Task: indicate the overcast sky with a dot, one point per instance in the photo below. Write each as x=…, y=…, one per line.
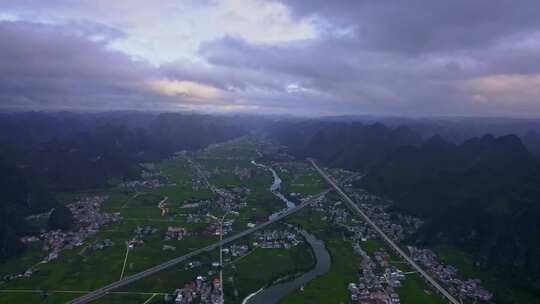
x=312, y=57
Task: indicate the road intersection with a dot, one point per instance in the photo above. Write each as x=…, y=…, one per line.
x=98, y=293
x=218, y=245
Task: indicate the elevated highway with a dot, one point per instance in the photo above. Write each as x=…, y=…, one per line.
x=98, y=293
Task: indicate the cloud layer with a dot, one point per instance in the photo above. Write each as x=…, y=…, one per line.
x=296, y=57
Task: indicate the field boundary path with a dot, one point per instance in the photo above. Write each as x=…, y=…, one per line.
x=98, y=293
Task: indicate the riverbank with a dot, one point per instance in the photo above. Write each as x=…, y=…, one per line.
x=276, y=292
x=275, y=190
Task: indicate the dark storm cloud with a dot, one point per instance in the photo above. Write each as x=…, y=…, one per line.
x=66, y=66
x=417, y=57
x=347, y=78
x=330, y=60
x=417, y=26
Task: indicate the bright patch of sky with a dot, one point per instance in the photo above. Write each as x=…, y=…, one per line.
x=165, y=31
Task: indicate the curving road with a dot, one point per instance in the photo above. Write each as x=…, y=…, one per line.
x=391, y=243
x=98, y=293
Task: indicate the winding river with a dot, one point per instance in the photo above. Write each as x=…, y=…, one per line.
x=275, y=189
x=276, y=292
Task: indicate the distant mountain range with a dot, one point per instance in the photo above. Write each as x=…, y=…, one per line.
x=347, y=145
x=482, y=195
x=74, y=152
x=40, y=153
x=20, y=196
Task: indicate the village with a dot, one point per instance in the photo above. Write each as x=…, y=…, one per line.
x=380, y=279
x=88, y=219
x=151, y=177
x=380, y=274
x=448, y=275
x=207, y=288
x=276, y=239
x=377, y=282
x=397, y=227
x=201, y=290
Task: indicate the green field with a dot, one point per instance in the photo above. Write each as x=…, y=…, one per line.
x=307, y=181
x=263, y=266
x=77, y=270
x=332, y=286
x=144, y=200
x=80, y=271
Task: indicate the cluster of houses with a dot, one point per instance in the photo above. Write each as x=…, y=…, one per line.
x=331, y=211
x=202, y=290
x=236, y=250
x=198, y=184
x=276, y=239
x=217, y=227
x=197, y=210
x=375, y=284
x=172, y=233
x=359, y=233
x=151, y=177
x=147, y=183
x=200, y=180
x=338, y=213
x=448, y=275
x=101, y=245
x=88, y=220
x=231, y=252
x=382, y=257
x=360, y=195
x=87, y=215
x=343, y=176
x=175, y=233
x=383, y=220
x=140, y=233
x=397, y=227
x=232, y=197
x=57, y=240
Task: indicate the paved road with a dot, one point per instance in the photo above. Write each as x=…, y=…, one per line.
x=98, y=293
x=391, y=243
x=201, y=174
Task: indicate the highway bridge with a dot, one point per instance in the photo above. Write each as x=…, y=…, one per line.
x=391, y=243
x=98, y=293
